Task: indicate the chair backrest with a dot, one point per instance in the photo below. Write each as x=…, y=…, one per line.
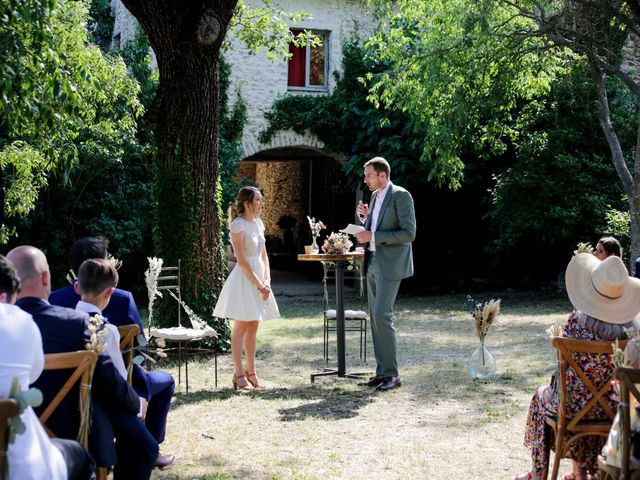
x=628, y=378
x=169, y=279
x=8, y=408
x=128, y=334
x=80, y=363
x=566, y=349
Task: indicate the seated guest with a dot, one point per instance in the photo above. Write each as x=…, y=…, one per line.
x=97, y=279
x=607, y=300
x=156, y=386
x=612, y=451
x=115, y=406
x=32, y=454
x=606, y=247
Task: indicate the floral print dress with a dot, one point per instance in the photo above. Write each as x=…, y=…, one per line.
x=598, y=367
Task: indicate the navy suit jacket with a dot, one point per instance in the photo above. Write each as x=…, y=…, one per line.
x=65, y=330
x=120, y=311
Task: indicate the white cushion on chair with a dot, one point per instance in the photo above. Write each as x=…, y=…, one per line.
x=348, y=314
x=182, y=333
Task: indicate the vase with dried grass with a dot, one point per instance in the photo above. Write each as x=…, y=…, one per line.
x=482, y=364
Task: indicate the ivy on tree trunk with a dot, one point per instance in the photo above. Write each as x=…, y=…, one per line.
x=186, y=38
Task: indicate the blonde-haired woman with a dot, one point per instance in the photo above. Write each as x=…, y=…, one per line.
x=246, y=296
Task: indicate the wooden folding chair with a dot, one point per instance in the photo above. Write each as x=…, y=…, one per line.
x=628, y=379
x=80, y=362
x=8, y=408
x=128, y=334
x=568, y=430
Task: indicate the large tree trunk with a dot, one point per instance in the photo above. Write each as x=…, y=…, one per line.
x=630, y=183
x=186, y=37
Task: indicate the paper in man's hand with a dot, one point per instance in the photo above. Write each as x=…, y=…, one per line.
x=352, y=229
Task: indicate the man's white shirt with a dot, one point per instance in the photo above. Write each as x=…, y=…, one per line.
x=375, y=214
x=112, y=339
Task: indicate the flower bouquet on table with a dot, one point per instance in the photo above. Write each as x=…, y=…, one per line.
x=337, y=244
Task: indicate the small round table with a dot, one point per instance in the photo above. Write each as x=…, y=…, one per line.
x=340, y=261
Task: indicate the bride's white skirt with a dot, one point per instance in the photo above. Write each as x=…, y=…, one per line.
x=241, y=300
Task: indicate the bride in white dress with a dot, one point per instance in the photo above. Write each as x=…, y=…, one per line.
x=246, y=296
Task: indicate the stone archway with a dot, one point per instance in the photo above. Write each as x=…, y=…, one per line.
x=298, y=181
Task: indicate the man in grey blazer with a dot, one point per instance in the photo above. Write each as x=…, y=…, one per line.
x=390, y=227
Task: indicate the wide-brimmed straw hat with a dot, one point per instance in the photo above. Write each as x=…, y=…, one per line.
x=603, y=289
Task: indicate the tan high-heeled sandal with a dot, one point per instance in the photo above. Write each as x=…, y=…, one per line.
x=256, y=383
x=242, y=385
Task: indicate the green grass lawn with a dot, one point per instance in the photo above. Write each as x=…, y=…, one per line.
x=440, y=425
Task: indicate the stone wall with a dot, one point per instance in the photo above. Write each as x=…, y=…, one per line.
x=260, y=81
x=284, y=188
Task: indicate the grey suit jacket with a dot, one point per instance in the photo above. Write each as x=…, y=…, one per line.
x=394, y=233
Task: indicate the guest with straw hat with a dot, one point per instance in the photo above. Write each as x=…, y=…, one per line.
x=606, y=302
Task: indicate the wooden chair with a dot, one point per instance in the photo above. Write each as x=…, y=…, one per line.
x=355, y=320
x=80, y=363
x=8, y=408
x=628, y=378
x=567, y=430
x=169, y=280
x=128, y=334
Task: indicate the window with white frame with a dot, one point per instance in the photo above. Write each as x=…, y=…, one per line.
x=308, y=65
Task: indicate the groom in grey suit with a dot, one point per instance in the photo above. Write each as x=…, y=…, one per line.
x=390, y=227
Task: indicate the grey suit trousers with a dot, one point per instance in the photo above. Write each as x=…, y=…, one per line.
x=382, y=296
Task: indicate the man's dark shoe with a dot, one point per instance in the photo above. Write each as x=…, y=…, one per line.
x=373, y=381
x=389, y=383
x=164, y=461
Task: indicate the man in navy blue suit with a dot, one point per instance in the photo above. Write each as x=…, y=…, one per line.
x=155, y=386
x=116, y=407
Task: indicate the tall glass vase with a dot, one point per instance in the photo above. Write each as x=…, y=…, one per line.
x=314, y=246
x=482, y=364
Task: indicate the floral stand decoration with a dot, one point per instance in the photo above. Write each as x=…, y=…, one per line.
x=316, y=227
x=337, y=244
x=482, y=364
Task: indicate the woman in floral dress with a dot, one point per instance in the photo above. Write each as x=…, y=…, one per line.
x=607, y=301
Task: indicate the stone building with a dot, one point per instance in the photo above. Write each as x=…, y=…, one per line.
x=297, y=175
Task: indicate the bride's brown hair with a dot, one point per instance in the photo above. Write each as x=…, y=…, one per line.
x=238, y=207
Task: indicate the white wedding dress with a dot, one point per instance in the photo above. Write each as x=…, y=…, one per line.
x=239, y=298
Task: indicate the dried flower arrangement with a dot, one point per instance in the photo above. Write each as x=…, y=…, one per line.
x=96, y=344
x=583, y=248
x=483, y=315
x=151, y=281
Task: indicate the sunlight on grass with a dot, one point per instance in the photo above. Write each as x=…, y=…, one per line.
x=440, y=425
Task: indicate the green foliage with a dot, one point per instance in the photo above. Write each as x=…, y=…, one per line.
x=463, y=72
x=101, y=21
x=618, y=224
x=266, y=27
x=562, y=185
x=62, y=99
x=348, y=123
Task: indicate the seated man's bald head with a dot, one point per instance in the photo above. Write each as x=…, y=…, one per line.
x=33, y=270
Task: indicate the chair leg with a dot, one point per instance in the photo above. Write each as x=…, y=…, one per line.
x=186, y=370
x=365, y=341
x=548, y=432
x=557, y=457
